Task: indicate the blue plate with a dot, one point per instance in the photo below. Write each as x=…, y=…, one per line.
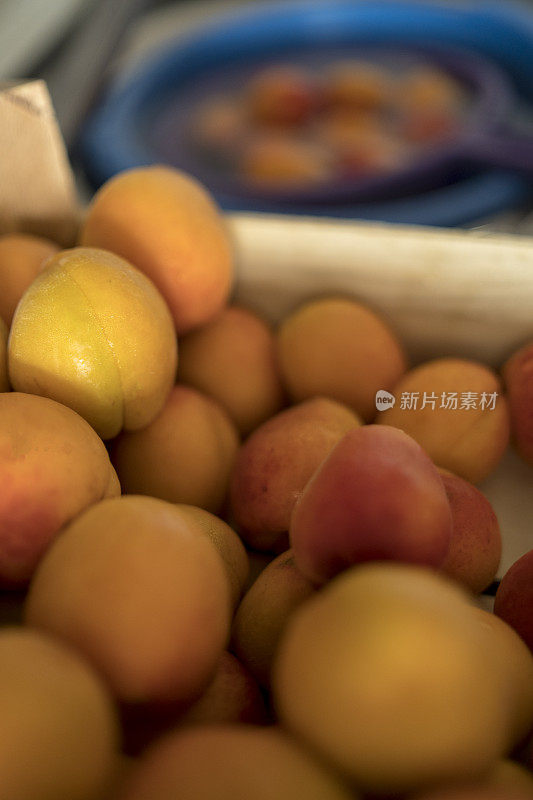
x=117, y=135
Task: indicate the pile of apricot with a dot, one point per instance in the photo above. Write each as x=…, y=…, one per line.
x=239, y=579
x=292, y=126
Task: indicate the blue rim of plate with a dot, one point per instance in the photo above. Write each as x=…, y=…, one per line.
x=112, y=139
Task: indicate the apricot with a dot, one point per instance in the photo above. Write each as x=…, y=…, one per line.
x=184, y=456
x=429, y=89
x=22, y=257
x=58, y=727
x=377, y=496
x=168, y=226
x=455, y=410
x=356, y=86
x=264, y=612
x=283, y=96
x=228, y=544
x=233, y=360
x=514, y=598
x=340, y=349
x=275, y=463
x=140, y=594
x=258, y=563
x=93, y=333
x=219, y=126
x=272, y=160
x=52, y=466
x=232, y=761
x=385, y=673
x=4, y=380
x=518, y=378
x=516, y=663
x=232, y=696
x=475, y=547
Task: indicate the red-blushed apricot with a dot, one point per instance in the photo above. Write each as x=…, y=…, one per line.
x=275, y=463
x=385, y=673
x=143, y=596
x=58, y=727
x=240, y=762
x=4, y=379
x=514, y=598
x=516, y=663
x=93, y=333
x=52, y=466
x=376, y=497
x=232, y=696
x=282, y=96
x=356, y=86
x=22, y=257
x=518, y=378
x=273, y=160
x=338, y=348
x=184, y=456
x=455, y=410
x=170, y=228
x=233, y=360
x=264, y=612
x=475, y=547
x=228, y=544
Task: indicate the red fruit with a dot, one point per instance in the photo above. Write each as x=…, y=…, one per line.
x=377, y=496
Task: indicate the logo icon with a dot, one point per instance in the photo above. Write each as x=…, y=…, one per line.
x=384, y=400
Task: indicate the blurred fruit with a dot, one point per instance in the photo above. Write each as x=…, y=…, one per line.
x=274, y=161
x=514, y=598
x=58, y=727
x=184, y=456
x=93, y=333
x=282, y=96
x=518, y=377
x=22, y=258
x=232, y=696
x=4, y=379
x=232, y=762
x=377, y=496
x=455, y=410
x=429, y=89
x=228, y=544
x=264, y=612
x=357, y=86
x=233, y=359
x=219, y=126
x=52, y=467
x=340, y=349
x=387, y=675
x=141, y=594
x=476, y=544
x=275, y=463
x=516, y=663
x=167, y=225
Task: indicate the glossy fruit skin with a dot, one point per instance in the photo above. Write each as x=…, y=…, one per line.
x=93, y=333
